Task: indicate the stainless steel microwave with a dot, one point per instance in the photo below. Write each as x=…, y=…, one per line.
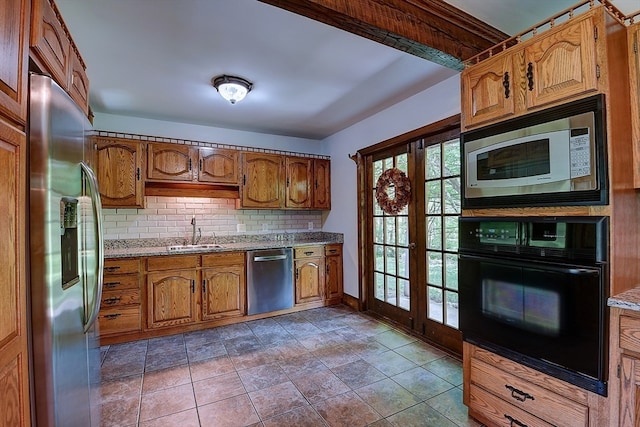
x=550, y=158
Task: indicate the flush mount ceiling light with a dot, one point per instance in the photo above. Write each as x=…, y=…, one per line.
x=231, y=88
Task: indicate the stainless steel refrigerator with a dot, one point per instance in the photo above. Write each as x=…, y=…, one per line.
x=66, y=260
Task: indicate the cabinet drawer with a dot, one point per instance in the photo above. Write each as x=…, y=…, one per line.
x=119, y=320
x=309, y=252
x=330, y=250
x=529, y=397
x=501, y=412
x=120, y=282
x=119, y=298
x=630, y=333
x=121, y=266
x=159, y=263
x=223, y=258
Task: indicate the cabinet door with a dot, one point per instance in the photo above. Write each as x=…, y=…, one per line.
x=262, y=181
x=309, y=280
x=321, y=184
x=13, y=57
x=171, y=298
x=223, y=292
x=634, y=78
x=169, y=162
x=488, y=90
x=49, y=40
x=562, y=64
x=218, y=165
x=334, y=276
x=299, y=182
x=629, y=411
x=78, y=81
x=119, y=168
x=14, y=356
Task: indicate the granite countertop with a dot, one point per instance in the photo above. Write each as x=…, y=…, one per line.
x=159, y=247
x=629, y=300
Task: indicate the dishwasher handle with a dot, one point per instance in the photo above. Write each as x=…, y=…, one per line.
x=269, y=258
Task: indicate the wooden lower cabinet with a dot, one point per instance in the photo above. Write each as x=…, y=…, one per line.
x=171, y=291
x=120, y=308
x=625, y=343
x=501, y=392
x=223, y=286
x=333, y=273
x=309, y=274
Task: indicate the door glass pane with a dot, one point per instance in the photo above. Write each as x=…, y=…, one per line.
x=451, y=306
x=432, y=162
x=378, y=253
x=377, y=170
x=434, y=308
x=451, y=158
x=434, y=232
x=452, y=195
x=403, y=262
x=378, y=230
x=434, y=268
x=433, y=197
x=403, y=230
x=391, y=290
x=401, y=162
x=390, y=232
x=391, y=260
x=403, y=288
x=451, y=271
x=451, y=233
x=379, y=283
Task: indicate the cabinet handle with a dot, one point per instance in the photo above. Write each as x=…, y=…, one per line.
x=200, y=164
x=204, y=285
x=530, y=75
x=138, y=174
x=112, y=316
x=287, y=182
x=514, y=422
x=193, y=286
x=244, y=179
x=112, y=269
x=333, y=251
x=111, y=301
x=111, y=284
x=505, y=84
x=316, y=184
x=327, y=268
x=307, y=253
x=297, y=273
x=518, y=394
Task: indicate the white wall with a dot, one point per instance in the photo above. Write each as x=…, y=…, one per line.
x=431, y=105
x=137, y=125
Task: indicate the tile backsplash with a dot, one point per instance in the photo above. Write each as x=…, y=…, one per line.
x=171, y=217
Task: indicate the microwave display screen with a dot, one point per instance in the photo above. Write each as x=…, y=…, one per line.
x=522, y=160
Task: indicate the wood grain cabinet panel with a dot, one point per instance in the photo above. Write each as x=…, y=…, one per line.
x=217, y=165
x=633, y=49
x=321, y=184
x=78, y=81
x=121, y=306
x=300, y=181
x=562, y=64
x=171, y=298
x=263, y=184
x=14, y=370
x=14, y=27
x=309, y=274
x=169, y=162
x=119, y=168
x=333, y=275
x=223, y=292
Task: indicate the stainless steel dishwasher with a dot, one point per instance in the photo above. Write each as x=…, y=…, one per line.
x=269, y=280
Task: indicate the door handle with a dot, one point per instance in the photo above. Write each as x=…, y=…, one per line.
x=412, y=246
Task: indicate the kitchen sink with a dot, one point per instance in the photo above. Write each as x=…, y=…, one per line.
x=188, y=248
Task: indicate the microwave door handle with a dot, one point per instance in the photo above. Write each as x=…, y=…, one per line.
x=96, y=205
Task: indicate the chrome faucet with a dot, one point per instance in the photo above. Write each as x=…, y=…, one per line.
x=194, y=240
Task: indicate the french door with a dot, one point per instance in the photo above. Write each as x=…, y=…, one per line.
x=410, y=257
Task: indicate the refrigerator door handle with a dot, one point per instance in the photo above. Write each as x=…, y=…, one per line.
x=97, y=212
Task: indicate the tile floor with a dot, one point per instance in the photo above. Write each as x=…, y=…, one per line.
x=329, y=366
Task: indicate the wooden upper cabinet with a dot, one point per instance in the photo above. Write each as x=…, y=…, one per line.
x=119, y=167
x=322, y=184
x=263, y=184
x=562, y=64
x=169, y=162
x=218, y=165
x=488, y=90
x=14, y=22
x=56, y=53
x=299, y=182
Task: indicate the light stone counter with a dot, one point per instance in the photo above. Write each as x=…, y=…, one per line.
x=629, y=300
x=158, y=247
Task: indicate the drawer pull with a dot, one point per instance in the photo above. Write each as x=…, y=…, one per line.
x=519, y=394
x=112, y=300
x=514, y=422
x=333, y=251
x=111, y=284
x=307, y=253
x=112, y=316
x=112, y=269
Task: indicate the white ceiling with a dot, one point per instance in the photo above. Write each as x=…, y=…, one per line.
x=155, y=59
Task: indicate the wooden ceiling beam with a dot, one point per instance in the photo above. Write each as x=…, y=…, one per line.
x=430, y=29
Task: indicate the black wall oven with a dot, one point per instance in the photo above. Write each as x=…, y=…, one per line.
x=534, y=290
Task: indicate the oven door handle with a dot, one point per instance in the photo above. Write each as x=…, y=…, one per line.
x=533, y=264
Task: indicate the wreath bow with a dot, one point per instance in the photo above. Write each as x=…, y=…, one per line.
x=402, y=187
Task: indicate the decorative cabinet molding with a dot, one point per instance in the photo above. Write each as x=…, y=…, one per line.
x=120, y=172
